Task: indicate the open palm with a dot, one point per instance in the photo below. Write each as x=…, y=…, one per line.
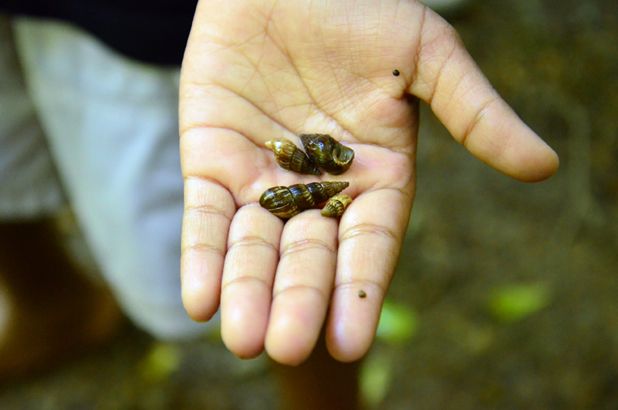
x=261, y=69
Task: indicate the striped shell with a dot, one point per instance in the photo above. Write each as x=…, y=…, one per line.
x=327, y=153
x=335, y=206
x=285, y=202
x=290, y=157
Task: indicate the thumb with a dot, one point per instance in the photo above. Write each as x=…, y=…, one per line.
x=448, y=79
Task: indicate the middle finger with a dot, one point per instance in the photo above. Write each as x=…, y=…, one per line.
x=302, y=288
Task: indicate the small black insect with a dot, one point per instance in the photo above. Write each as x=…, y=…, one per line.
x=396, y=73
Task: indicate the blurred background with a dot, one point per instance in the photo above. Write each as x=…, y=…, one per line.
x=506, y=294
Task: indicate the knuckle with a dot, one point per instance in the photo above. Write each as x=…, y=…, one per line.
x=251, y=240
x=203, y=248
x=369, y=229
x=304, y=245
x=300, y=287
x=205, y=210
x=354, y=284
x=244, y=280
x=478, y=117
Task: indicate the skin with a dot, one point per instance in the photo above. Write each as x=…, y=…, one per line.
x=261, y=69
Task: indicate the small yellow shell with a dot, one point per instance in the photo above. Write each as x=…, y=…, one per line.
x=336, y=205
x=290, y=157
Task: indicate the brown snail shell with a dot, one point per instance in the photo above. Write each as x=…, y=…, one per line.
x=289, y=156
x=285, y=202
x=336, y=205
x=327, y=153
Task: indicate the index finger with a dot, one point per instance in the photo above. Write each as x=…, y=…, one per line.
x=447, y=78
x=370, y=236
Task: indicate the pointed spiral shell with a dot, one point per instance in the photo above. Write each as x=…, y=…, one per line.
x=327, y=153
x=285, y=202
x=290, y=157
x=336, y=205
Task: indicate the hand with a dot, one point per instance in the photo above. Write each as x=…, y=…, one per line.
x=260, y=69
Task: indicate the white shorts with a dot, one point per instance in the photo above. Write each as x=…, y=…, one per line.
x=74, y=114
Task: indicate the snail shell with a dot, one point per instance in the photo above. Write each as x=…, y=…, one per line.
x=285, y=202
x=327, y=153
x=289, y=156
x=336, y=205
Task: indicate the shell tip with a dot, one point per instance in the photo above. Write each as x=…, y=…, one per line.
x=269, y=144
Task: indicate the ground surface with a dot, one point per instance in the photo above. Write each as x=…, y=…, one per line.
x=475, y=237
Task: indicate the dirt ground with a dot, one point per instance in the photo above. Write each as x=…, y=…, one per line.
x=474, y=237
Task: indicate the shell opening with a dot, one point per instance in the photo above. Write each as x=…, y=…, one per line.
x=342, y=155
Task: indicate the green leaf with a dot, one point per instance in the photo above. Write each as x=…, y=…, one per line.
x=514, y=302
x=375, y=379
x=398, y=323
x=161, y=361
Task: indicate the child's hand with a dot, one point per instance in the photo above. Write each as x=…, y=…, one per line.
x=260, y=69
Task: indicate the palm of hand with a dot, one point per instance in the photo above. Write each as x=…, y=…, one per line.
x=257, y=72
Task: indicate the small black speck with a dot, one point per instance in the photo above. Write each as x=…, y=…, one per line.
x=396, y=73
x=362, y=294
